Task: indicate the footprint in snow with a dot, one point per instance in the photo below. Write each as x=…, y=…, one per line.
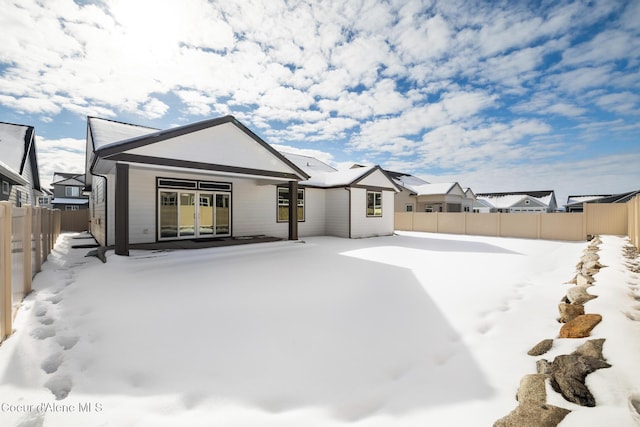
x=52, y=363
x=43, y=332
x=67, y=342
x=60, y=386
x=55, y=299
x=45, y=320
x=41, y=311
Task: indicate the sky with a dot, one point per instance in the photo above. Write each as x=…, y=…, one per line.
x=499, y=96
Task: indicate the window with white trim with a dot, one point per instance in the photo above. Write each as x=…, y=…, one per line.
x=408, y=208
x=283, y=204
x=6, y=187
x=374, y=203
x=71, y=191
x=72, y=208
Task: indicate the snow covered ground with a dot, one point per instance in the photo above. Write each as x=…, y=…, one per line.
x=405, y=330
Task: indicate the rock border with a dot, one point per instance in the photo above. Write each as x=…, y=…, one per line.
x=566, y=373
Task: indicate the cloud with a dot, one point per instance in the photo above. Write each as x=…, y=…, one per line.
x=59, y=155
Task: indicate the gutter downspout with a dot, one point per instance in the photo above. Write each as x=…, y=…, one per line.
x=349, y=219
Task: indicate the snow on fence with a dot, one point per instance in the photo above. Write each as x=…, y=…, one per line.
x=27, y=235
x=605, y=218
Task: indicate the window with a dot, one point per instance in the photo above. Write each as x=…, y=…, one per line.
x=42, y=201
x=374, y=203
x=283, y=204
x=408, y=208
x=72, y=208
x=71, y=191
x=18, y=199
x=6, y=187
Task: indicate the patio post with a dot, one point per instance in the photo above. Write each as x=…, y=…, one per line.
x=122, y=209
x=293, y=210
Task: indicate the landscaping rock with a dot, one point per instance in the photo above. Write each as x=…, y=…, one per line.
x=567, y=373
x=592, y=348
x=541, y=348
x=532, y=389
x=580, y=327
x=579, y=295
x=532, y=410
x=569, y=312
x=584, y=279
x=533, y=415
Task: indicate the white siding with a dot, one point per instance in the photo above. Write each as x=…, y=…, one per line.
x=142, y=206
x=376, y=179
x=111, y=209
x=337, y=212
x=253, y=205
x=364, y=226
x=224, y=144
x=314, y=213
x=97, y=204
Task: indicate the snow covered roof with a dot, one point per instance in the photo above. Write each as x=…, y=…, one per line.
x=17, y=146
x=506, y=200
x=585, y=198
x=509, y=200
x=107, y=132
x=12, y=144
x=337, y=178
x=433, y=189
x=69, y=201
x=309, y=164
x=11, y=174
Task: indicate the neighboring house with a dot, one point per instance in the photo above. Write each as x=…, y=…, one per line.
x=216, y=178
x=45, y=199
x=67, y=191
x=516, y=202
x=576, y=203
x=20, y=180
x=418, y=195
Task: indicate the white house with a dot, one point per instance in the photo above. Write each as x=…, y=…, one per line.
x=516, y=202
x=19, y=175
x=216, y=178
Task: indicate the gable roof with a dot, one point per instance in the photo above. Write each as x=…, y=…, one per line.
x=347, y=177
x=18, y=145
x=120, y=141
x=536, y=194
x=63, y=178
x=509, y=200
x=616, y=198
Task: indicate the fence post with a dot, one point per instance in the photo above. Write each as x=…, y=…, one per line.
x=5, y=279
x=26, y=247
x=37, y=234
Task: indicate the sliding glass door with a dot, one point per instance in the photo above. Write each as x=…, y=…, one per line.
x=193, y=214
